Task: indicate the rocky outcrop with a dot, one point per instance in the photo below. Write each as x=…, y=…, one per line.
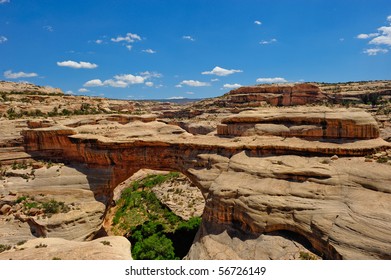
x=312, y=122
x=277, y=95
x=105, y=248
x=11, y=87
x=257, y=185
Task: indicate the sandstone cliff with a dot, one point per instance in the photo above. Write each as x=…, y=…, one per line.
x=256, y=184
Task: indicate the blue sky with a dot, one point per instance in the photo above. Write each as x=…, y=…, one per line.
x=150, y=49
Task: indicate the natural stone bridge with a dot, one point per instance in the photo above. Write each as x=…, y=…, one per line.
x=255, y=184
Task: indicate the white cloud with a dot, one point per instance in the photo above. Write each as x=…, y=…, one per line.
x=149, y=84
x=148, y=75
x=129, y=47
x=187, y=37
x=149, y=51
x=119, y=81
x=48, y=28
x=77, y=65
x=9, y=75
x=115, y=83
x=232, y=85
x=384, y=38
x=83, y=90
x=93, y=83
x=214, y=80
x=4, y=1
x=257, y=22
x=129, y=38
x=375, y=51
x=271, y=80
x=189, y=92
x=130, y=79
x=366, y=36
x=193, y=83
x=3, y=39
x=221, y=71
x=69, y=92
x=178, y=86
x=264, y=42
x=99, y=41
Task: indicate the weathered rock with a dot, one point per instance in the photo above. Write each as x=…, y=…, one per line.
x=327, y=203
x=278, y=95
x=304, y=122
x=106, y=248
x=5, y=209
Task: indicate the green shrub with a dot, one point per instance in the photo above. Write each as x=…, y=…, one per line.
x=4, y=247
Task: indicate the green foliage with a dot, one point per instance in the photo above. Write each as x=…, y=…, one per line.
x=306, y=256
x=53, y=207
x=152, y=228
x=106, y=243
x=154, y=247
x=4, y=247
x=19, y=165
x=41, y=245
x=21, y=198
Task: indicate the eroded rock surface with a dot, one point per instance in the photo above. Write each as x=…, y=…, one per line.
x=105, y=248
x=255, y=184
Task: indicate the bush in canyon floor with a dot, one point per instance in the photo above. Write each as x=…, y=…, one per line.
x=154, y=231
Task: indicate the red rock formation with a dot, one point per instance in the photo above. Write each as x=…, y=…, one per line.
x=278, y=95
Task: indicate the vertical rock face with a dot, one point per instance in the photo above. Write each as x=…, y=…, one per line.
x=256, y=185
x=278, y=95
x=317, y=122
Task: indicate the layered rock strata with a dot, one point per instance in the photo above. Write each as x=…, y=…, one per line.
x=312, y=122
x=258, y=184
x=278, y=95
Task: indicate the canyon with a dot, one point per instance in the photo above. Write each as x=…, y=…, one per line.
x=284, y=170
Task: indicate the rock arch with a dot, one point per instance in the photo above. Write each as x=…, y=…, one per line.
x=256, y=185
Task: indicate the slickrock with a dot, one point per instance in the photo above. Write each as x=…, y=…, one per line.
x=105, y=248
x=257, y=184
x=278, y=95
x=308, y=122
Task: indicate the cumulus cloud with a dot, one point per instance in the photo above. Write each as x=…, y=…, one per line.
x=149, y=84
x=149, y=51
x=83, y=90
x=94, y=83
x=10, y=75
x=366, y=36
x=3, y=39
x=129, y=38
x=375, y=51
x=265, y=42
x=119, y=81
x=99, y=41
x=148, y=74
x=193, y=83
x=232, y=85
x=271, y=80
x=221, y=71
x=77, y=65
x=382, y=39
x=187, y=37
x=129, y=47
x=257, y=22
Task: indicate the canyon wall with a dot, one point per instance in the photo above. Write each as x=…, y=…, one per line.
x=324, y=191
